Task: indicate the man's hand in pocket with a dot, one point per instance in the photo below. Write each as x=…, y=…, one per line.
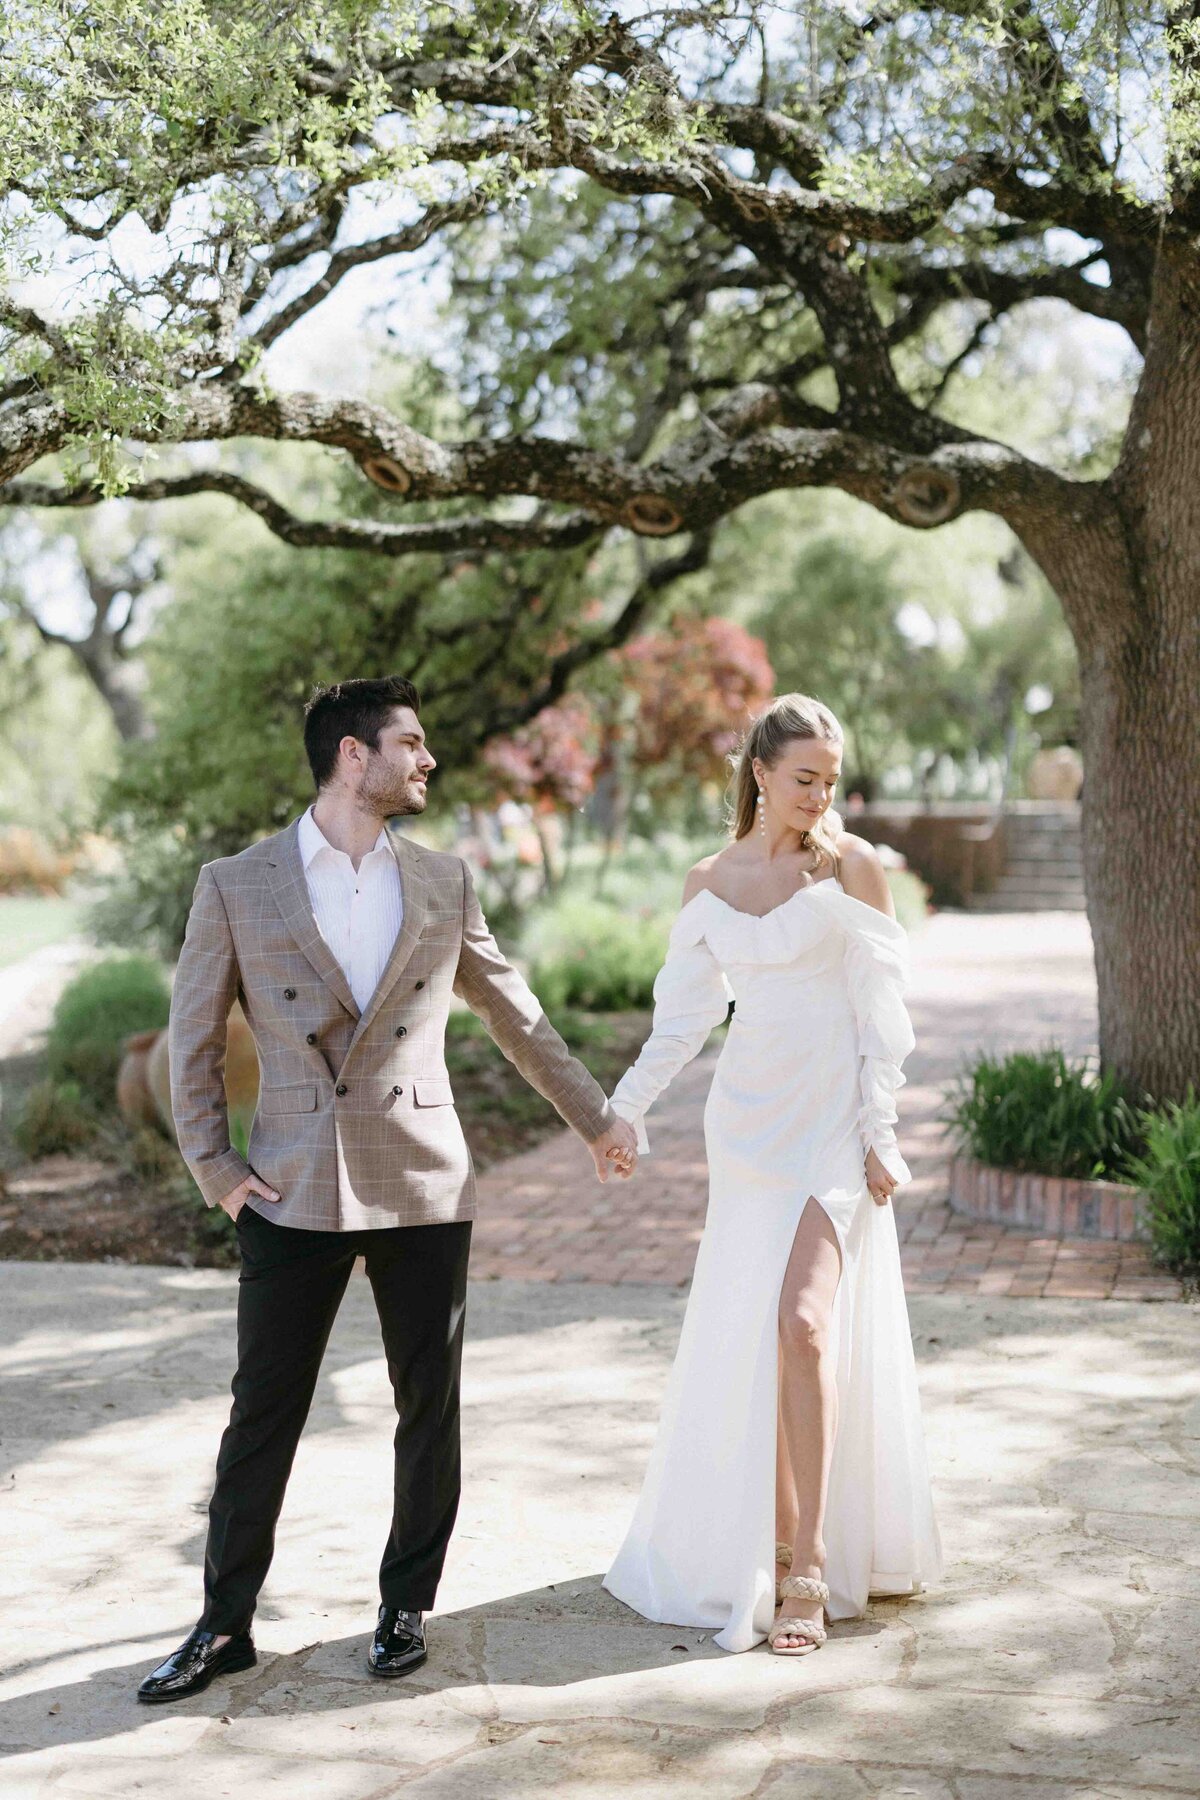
x=233, y=1203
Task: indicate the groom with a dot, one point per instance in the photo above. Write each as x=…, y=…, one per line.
x=344, y=942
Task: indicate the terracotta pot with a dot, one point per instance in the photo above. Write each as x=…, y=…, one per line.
x=135, y=1096
x=241, y=1072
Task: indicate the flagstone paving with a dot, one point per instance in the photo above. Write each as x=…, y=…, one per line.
x=1000, y=981
x=1056, y=1661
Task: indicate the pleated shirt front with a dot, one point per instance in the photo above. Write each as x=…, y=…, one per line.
x=358, y=912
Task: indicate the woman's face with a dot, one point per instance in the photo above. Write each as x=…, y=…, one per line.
x=803, y=782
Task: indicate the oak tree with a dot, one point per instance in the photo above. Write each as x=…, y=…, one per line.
x=833, y=206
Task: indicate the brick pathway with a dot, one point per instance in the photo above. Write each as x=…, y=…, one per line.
x=1001, y=980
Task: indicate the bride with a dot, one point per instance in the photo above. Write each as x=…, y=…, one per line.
x=788, y=1480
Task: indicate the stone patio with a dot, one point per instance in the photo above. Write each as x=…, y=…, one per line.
x=1058, y=1659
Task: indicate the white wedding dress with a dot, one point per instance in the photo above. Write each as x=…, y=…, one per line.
x=805, y=1081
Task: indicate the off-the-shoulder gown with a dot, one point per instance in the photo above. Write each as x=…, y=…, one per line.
x=805, y=1082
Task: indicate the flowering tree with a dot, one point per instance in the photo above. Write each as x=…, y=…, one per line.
x=548, y=765
x=698, y=683
x=671, y=707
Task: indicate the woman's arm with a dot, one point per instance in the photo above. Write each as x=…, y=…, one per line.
x=690, y=998
x=876, y=969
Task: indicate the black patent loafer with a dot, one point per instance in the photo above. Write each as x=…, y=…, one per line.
x=398, y=1646
x=190, y=1668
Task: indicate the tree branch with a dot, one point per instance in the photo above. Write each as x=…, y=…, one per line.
x=932, y=473
x=653, y=584
x=355, y=256
x=439, y=536
x=1001, y=289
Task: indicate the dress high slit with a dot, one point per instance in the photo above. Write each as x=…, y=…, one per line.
x=805, y=1082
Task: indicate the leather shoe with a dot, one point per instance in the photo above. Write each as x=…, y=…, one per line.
x=398, y=1646
x=195, y=1663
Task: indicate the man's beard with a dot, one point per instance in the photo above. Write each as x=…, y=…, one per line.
x=393, y=799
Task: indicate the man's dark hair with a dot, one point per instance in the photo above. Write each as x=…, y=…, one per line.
x=358, y=709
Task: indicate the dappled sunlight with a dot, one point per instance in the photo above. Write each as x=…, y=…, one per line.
x=1060, y=1437
x=87, y=1354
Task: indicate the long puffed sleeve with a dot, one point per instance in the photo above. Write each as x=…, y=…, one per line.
x=691, y=997
x=877, y=974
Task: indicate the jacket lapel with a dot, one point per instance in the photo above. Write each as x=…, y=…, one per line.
x=291, y=896
x=414, y=893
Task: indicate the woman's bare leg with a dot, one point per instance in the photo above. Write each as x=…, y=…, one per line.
x=786, y=1511
x=808, y=1392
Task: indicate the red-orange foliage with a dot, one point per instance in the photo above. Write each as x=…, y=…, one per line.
x=699, y=683
x=549, y=763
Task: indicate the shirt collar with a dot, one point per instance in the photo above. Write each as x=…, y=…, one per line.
x=312, y=840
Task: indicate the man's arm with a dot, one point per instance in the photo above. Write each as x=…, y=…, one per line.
x=206, y=985
x=499, y=995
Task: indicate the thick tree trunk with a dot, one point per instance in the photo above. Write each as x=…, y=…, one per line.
x=1135, y=624
x=1141, y=836
x=1129, y=580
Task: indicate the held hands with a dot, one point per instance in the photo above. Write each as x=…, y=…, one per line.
x=615, y=1151
x=233, y=1203
x=880, y=1184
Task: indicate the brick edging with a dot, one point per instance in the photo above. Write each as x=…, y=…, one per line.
x=1049, y=1203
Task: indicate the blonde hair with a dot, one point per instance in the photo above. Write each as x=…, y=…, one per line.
x=788, y=718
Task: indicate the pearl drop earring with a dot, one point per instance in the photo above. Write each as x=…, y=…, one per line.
x=762, y=811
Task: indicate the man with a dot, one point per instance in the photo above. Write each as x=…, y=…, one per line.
x=344, y=942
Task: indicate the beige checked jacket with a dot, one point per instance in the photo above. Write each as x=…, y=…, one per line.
x=356, y=1125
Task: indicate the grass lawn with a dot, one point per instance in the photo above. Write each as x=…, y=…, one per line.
x=29, y=921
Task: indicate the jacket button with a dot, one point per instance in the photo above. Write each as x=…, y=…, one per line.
x=402, y=1031
x=341, y=1088
x=289, y=993
x=420, y=984
x=397, y=1090
x=311, y=1038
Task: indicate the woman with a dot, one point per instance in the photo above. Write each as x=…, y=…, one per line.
x=788, y=1477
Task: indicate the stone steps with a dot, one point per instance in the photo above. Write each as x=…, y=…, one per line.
x=1032, y=899
x=1043, y=871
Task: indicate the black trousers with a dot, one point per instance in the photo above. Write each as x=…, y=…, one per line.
x=289, y=1291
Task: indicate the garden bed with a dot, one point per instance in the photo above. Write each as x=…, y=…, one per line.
x=127, y=1197
x=1050, y=1204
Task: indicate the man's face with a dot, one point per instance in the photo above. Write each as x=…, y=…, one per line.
x=394, y=775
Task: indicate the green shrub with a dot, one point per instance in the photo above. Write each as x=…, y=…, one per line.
x=54, y=1117
x=462, y=1023
x=213, y=1229
x=145, y=903
x=1168, y=1169
x=240, y=1121
x=583, y=953
x=96, y=1013
x=147, y=1154
x=1035, y=1111
x=910, y=896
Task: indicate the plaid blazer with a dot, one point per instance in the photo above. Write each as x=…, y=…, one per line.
x=356, y=1125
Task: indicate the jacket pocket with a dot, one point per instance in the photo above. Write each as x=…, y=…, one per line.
x=433, y=1090
x=298, y=1098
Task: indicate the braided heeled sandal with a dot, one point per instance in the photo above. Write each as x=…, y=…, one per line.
x=783, y=1556
x=799, y=1587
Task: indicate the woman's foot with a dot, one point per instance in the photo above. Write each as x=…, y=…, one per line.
x=783, y=1566
x=804, y=1601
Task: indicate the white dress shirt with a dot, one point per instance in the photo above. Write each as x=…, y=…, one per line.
x=358, y=912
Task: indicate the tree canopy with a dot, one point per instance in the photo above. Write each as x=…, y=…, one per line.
x=697, y=255
x=803, y=194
